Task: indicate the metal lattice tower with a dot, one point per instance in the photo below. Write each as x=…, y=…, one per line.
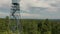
x=15, y=23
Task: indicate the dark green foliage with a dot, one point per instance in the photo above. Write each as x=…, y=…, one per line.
x=3, y=25
x=33, y=26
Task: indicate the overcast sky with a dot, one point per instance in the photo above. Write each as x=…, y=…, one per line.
x=33, y=9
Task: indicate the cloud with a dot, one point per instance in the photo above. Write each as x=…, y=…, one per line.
x=47, y=8
x=5, y=6
x=36, y=3
x=27, y=4
x=5, y=3
x=3, y=15
x=31, y=16
x=38, y=16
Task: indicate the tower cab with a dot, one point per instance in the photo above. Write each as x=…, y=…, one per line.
x=15, y=2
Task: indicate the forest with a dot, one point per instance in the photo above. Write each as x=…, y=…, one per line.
x=32, y=26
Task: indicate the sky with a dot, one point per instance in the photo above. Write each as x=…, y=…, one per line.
x=33, y=9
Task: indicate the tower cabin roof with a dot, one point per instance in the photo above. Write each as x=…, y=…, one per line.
x=15, y=1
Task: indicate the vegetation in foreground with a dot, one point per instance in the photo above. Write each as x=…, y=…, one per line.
x=32, y=26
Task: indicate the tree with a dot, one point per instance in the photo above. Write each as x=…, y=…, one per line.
x=45, y=26
x=3, y=24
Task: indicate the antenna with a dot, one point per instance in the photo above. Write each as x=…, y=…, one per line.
x=15, y=24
